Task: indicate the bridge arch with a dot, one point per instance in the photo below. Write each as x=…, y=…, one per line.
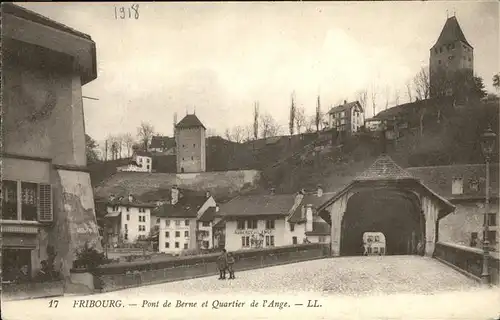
x=383, y=179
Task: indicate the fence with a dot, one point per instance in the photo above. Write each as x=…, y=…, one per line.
x=467, y=260
x=116, y=277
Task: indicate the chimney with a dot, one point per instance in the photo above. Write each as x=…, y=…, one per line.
x=272, y=191
x=309, y=218
x=111, y=197
x=130, y=198
x=319, y=191
x=174, y=195
x=207, y=194
x=217, y=208
x=345, y=101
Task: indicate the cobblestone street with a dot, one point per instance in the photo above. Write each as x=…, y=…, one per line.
x=343, y=275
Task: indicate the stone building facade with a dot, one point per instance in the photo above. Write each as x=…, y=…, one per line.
x=47, y=198
x=190, y=145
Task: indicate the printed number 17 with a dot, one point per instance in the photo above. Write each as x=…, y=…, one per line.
x=53, y=303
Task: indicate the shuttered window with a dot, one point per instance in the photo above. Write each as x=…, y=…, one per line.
x=45, y=212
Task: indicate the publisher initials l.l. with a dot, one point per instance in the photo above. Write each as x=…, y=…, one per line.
x=313, y=304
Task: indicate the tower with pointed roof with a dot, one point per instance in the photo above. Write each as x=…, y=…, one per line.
x=450, y=54
x=190, y=144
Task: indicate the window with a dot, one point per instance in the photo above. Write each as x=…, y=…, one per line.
x=177, y=222
x=492, y=219
x=125, y=236
x=492, y=237
x=205, y=224
x=186, y=222
x=270, y=224
x=148, y=160
x=128, y=209
x=182, y=158
x=245, y=241
x=147, y=167
x=186, y=234
x=206, y=244
x=177, y=234
x=194, y=145
x=36, y=201
x=292, y=227
x=128, y=217
x=240, y=224
x=294, y=240
x=142, y=228
x=167, y=223
x=142, y=210
x=192, y=158
x=440, y=49
x=183, y=146
x=269, y=241
x=167, y=234
x=157, y=220
x=167, y=244
x=375, y=250
x=473, y=185
x=177, y=244
x=470, y=59
x=439, y=61
x=436, y=50
x=457, y=186
x=185, y=245
x=252, y=224
x=126, y=226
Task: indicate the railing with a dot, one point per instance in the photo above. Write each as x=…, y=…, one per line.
x=468, y=260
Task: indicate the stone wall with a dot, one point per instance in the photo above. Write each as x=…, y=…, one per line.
x=220, y=183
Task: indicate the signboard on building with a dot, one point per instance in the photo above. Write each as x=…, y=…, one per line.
x=250, y=232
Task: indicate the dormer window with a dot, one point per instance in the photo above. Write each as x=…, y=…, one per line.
x=457, y=186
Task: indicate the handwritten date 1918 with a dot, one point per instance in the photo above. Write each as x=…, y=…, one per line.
x=125, y=12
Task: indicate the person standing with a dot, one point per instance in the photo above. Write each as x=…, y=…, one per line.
x=222, y=264
x=230, y=264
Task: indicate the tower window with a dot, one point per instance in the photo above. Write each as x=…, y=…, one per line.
x=440, y=49
x=194, y=145
x=439, y=61
x=436, y=50
x=192, y=158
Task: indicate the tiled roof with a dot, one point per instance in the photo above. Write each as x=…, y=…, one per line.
x=439, y=179
x=411, y=108
x=346, y=106
x=190, y=121
x=384, y=168
x=319, y=229
x=143, y=154
x=186, y=207
x=134, y=203
x=309, y=199
x=162, y=142
x=254, y=205
x=208, y=215
x=451, y=32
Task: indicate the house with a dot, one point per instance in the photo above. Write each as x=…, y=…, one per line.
x=464, y=186
x=163, y=144
x=127, y=220
x=142, y=161
x=450, y=54
x=190, y=145
x=179, y=221
x=255, y=221
x=47, y=199
x=347, y=118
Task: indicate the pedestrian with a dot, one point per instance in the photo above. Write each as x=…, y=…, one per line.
x=230, y=264
x=222, y=264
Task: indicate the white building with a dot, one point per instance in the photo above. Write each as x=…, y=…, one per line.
x=141, y=162
x=178, y=225
x=127, y=220
x=257, y=221
x=349, y=117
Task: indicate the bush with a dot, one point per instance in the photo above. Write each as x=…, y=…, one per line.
x=89, y=258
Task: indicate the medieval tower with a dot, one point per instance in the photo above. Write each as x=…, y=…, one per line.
x=190, y=145
x=451, y=54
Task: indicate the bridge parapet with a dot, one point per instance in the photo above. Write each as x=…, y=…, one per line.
x=467, y=260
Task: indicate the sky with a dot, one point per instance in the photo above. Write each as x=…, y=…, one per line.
x=216, y=59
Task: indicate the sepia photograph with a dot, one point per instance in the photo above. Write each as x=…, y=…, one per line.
x=250, y=160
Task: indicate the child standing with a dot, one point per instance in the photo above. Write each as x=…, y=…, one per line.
x=230, y=263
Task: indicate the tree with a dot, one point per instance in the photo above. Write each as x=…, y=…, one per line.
x=409, y=91
x=478, y=89
x=362, y=97
x=293, y=111
x=211, y=132
x=373, y=95
x=317, y=119
x=91, y=149
x=227, y=134
x=256, y=121
x=145, y=132
x=422, y=84
x=387, y=96
x=269, y=126
x=237, y=133
x=300, y=119
x=496, y=81
x=396, y=97
x=248, y=133
x=128, y=140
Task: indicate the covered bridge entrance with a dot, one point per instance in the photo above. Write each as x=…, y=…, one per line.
x=387, y=199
